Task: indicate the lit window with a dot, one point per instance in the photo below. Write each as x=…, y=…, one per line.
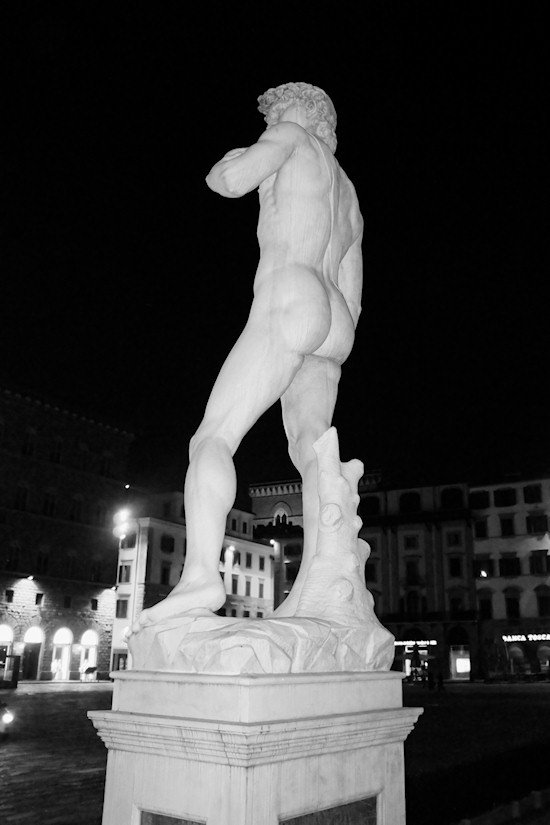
x=124, y=573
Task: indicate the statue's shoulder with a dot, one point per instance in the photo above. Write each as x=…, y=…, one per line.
x=287, y=132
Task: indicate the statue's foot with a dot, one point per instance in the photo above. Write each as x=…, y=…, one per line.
x=194, y=594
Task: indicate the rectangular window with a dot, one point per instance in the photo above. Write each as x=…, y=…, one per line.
x=261, y=590
x=455, y=567
x=453, y=539
x=9, y=596
x=532, y=494
x=245, y=527
x=124, y=573
x=121, y=611
x=167, y=543
x=93, y=604
x=39, y=598
x=536, y=523
x=262, y=562
x=234, y=585
x=480, y=500
x=411, y=542
x=539, y=563
x=486, y=608
x=509, y=566
x=505, y=497
x=411, y=572
x=507, y=527
x=480, y=528
x=234, y=524
x=246, y=614
x=67, y=602
x=247, y=587
x=259, y=614
x=248, y=560
x=484, y=567
x=512, y=607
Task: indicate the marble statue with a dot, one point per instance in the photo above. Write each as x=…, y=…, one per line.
x=300, y=330
x=306, y=304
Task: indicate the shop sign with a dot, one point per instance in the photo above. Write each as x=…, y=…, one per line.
x=419, y=642
x=530, y=637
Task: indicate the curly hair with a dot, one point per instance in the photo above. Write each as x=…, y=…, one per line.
x=319, y=108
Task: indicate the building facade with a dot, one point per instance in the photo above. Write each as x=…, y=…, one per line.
x=61, y=479
x=152, y=547
x=512, y=574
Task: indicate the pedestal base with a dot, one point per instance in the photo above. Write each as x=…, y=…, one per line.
x=305, y=749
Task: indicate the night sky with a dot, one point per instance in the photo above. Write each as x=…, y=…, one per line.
x=126, y=280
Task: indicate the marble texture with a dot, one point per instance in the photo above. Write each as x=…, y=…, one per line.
x=254, y=750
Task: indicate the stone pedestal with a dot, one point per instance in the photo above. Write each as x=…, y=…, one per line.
x=306, y=749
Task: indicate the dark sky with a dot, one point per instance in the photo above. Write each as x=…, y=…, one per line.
x=126, y=280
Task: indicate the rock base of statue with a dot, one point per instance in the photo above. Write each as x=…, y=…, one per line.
x=334, y=626
x=306, y=749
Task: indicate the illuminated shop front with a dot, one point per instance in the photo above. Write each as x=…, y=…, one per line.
x=415, y=656
x=527, y=653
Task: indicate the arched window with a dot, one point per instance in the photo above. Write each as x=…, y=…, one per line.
x=409, y=502
x=543, y=655
x=517, y=659
x=34, y=635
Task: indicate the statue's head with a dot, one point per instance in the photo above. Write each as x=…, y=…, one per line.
x=319, y=109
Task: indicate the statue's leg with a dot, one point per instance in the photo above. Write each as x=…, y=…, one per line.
x=254, y=376
x=308, y=407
